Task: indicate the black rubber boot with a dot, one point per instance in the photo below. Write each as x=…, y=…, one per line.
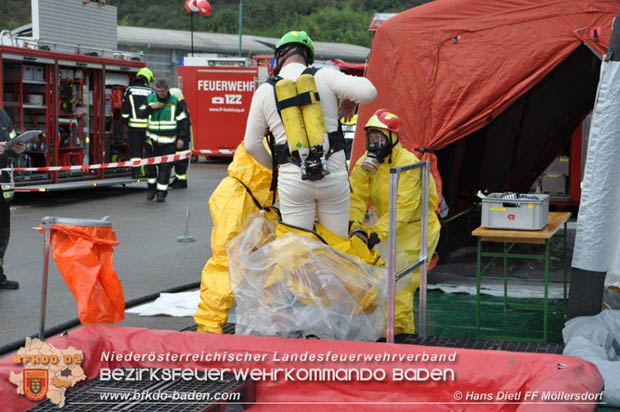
x=5, y=283
x=161, y=195
x=9, y=284
x=179, y=184
x=150, y=192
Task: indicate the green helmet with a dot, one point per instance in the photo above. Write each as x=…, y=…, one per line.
x=298, y=37
x=146, y=73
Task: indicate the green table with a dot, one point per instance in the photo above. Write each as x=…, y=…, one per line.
x=509, y=238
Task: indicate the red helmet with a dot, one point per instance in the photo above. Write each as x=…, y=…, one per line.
x=384, y=119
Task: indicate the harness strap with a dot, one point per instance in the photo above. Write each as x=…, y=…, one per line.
x=283, y=155
x=247, y=189
x=280, y=153
x=271, y=143
x=299, y=100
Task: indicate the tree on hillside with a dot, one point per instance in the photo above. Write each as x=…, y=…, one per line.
x=343, y=21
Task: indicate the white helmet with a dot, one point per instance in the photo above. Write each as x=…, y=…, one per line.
x=176, y=92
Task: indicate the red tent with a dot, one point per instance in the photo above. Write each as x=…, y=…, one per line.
x=493, y=89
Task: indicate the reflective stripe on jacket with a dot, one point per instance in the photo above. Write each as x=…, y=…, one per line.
x=7, y=133
x=163, y=122
x=134, y=102
x=161, y=139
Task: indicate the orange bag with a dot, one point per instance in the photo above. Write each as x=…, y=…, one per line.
x=84, y=257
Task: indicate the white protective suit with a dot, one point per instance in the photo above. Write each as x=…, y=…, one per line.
x=301, y=200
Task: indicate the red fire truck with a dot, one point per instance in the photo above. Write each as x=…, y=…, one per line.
x=218, y=91
x=75, y=100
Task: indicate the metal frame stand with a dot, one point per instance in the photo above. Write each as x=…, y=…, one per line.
x=185, y=237
x=47, y=224
x=505, y=255
x=422, y=262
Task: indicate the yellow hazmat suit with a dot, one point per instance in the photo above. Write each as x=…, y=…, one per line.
x=373, y=188
x=230, y=205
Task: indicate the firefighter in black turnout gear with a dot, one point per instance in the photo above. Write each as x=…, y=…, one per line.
x=6, y=182
x=180, y=166
x=134, y=104
x=166, y=133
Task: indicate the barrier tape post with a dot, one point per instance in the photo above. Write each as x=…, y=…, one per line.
x=185, y=237
x=46, y=224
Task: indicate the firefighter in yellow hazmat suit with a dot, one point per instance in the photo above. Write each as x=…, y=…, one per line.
x=243, y=192
x=370, y=184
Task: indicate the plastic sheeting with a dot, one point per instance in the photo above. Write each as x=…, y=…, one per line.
x=597, y=340
x=84, y=257
x=493, y=287
x=611, y=297
x=297, y=286
x=170, y=304
x=475, y=370
x=597, y=243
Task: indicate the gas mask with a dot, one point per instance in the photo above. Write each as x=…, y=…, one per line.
x=378, y=146
x=280, y=55
x=285, y=52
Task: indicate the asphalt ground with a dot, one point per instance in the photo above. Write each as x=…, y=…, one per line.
x=149, y=258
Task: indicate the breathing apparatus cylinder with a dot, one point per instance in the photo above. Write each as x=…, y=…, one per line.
x=315, y=166
x=312, y=113
x=292, y=119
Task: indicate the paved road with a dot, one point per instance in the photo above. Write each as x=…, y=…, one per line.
x=149, y=258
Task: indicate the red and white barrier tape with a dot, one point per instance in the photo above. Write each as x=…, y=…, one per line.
x=221, y=152
x=148, y=161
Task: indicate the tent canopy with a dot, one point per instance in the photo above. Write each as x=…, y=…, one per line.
x=490, y=91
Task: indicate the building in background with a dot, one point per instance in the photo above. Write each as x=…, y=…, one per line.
x=164, y=48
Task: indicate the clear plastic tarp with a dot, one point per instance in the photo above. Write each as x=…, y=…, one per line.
x=298, y=286
x=597, y=340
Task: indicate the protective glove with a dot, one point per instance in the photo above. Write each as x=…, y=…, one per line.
x=373, y=239
x=357, y=229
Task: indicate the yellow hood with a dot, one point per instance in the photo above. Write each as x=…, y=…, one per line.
x=254, y=175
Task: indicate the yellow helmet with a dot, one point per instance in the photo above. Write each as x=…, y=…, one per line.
x=146, y=73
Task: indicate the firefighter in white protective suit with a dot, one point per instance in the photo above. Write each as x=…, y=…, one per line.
x=299, y=109
x=370, y=185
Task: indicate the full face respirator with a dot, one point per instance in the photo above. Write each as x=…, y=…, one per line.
x=378, y=146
